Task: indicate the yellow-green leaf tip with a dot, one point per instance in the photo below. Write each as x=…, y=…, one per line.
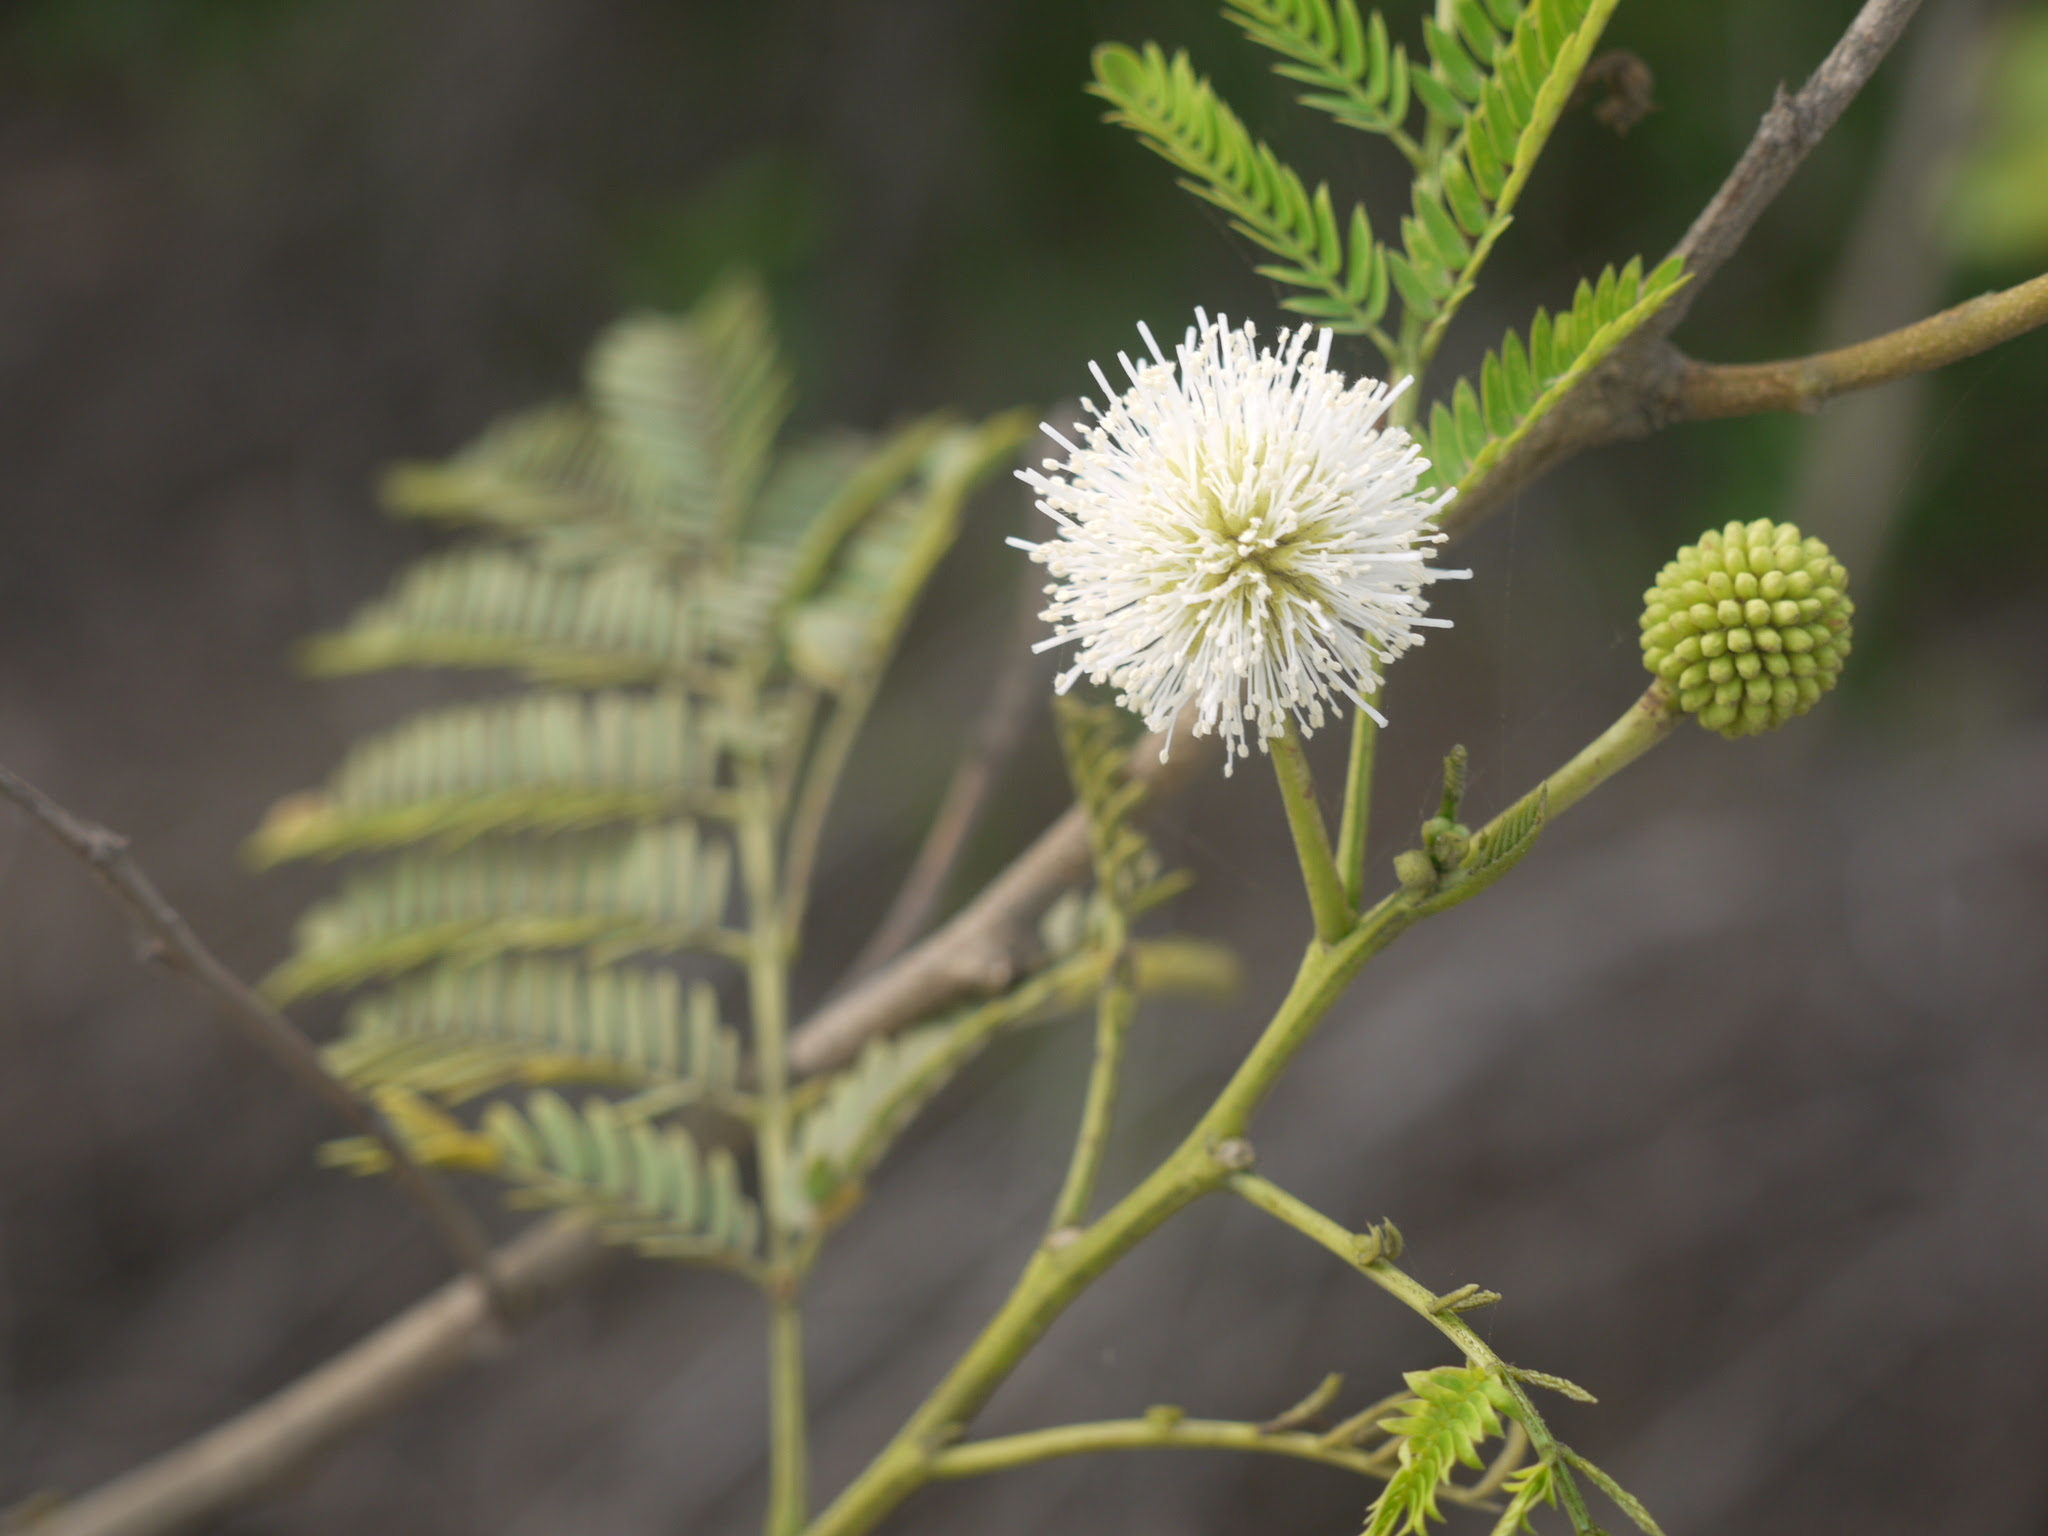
x=1749, y=627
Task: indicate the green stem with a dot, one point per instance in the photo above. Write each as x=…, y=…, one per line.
x=1052, y=1279
x=1357, y=820
x=1208, y=1158
x=788, y=1472
x=768, y=999
x=1416, y=155
x=1055, y=1276
x=1158, y=1431
x=1113, y=1011
x=814, y=800
x=1648, y=721
x=1058, y=989
x=1363, y=1253
x=1311, y=838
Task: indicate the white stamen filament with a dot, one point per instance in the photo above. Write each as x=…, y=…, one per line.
x=1237, y=531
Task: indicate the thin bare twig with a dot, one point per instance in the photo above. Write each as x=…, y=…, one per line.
x=174, y=945
x=1625, y=397
x=1787, y=135
x=239, y=1460
x=988, y=942
x=1009, y=708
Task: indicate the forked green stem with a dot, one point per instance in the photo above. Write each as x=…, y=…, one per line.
x=1363, y=1252
x=1311, y=837
x=1212, y=1155
x=1056, y=1275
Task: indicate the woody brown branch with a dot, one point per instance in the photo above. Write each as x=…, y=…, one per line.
x=1662, y=386
x=173, y=944
x=1621, y=398
x=241, y=1458
x=1705, y=391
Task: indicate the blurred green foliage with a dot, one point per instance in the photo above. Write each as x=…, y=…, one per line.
x=1998, y=214
x=141, y=37
x=945, y=221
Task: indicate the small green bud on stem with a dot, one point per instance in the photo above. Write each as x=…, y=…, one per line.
x=1457, y=769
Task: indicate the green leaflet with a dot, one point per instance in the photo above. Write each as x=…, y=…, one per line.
x=1357, y=77
x=1519, y=385
x=1498, y=75
x=1179, y=116
x=658, y=888
x=1526, y=1488
x=460, y=1030
x=1454, y=1410
x=536, y=762
x=690, y=407
x=648, y=1187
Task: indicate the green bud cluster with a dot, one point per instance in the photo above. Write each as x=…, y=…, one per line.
x=1748, y=627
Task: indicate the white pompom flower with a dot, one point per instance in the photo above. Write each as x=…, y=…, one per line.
x=1239, y=531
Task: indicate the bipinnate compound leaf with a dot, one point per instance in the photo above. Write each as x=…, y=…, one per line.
x=459, y=1030
x=1491, y=79
x=1520, y=384
x=648, y=1187
x=1454, y=1410
x=1179, y=116
x=654, y=889
x=545, y=892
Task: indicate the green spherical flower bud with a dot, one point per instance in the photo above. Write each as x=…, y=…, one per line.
x=1748, y=627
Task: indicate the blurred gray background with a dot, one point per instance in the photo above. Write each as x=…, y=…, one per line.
x=1738, y=1090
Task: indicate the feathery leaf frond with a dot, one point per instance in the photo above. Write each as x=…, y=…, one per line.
x=1179, y=116
x=1526, y=1488
x=1096, y=741
x=538, y=762
x=659, y=888
x=648, y=1187
x=842, y=631
x=1498, y=75
x=460, y=1030
x=1357, y=77
x=1455, y=1408
x=1520, y=384
x=692, y=605
x=690, y=407
x=839, y=1139
x=1624, y=1501
x=1500, y=95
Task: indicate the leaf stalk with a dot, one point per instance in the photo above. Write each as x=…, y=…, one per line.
x=1326, y=899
